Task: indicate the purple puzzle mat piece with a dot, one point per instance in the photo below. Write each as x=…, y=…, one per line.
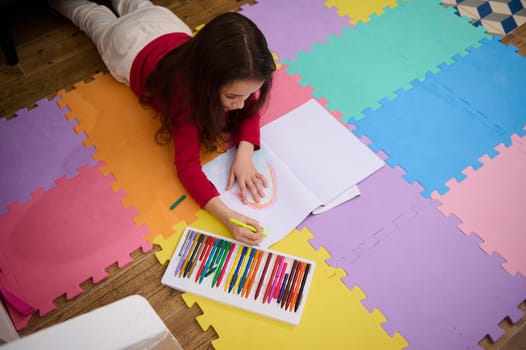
x=294, y=25
x=435, y=285
x=350, y=227
x=36, y=148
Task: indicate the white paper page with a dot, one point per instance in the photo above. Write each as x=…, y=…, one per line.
x=286, y=203
x=342, y=198
x=326, y=156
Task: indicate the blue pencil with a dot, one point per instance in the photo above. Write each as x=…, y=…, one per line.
x=188, y=243
x=216, y=258
x=243, y=278
x=282, y=289
x=234, y=278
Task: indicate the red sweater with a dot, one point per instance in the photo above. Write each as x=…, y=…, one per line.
x=187, y=145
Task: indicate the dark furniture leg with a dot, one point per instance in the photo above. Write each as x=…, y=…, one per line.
x=6, y=39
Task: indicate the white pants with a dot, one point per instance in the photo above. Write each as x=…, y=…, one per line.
x=119, y=39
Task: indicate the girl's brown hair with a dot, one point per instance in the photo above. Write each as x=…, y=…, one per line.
x=230, y=47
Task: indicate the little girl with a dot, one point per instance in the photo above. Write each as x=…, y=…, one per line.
x=203, y=87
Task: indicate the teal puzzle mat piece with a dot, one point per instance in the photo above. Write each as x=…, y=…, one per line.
x=357, y=69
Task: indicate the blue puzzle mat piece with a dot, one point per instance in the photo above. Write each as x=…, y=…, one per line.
x=492, y=81
x=357, y=69
x=430, y=134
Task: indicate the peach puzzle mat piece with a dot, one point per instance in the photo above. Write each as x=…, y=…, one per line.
x=492, y=202
x=63, y=237
x=359, y=10
x=122, y=132
x=331, y=311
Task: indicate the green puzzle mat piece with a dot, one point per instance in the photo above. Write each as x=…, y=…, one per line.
x=333, y=317
x=357, y=69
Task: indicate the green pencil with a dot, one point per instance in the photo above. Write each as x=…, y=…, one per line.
x=177, y=202
x=220, y=266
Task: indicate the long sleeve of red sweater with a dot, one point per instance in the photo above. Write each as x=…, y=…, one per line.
x=188, y=162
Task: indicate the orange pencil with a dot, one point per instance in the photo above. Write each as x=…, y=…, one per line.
x=251, y=273
x=297, y=286
x=289, y=286
x=300, y=293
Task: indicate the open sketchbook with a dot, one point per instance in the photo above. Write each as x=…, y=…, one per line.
x=312, y=163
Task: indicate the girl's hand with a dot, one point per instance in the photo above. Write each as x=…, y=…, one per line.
x=223, y=213
x=243, y=234
x=245, y=173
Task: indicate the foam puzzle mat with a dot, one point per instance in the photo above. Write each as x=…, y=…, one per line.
x=499, y=223
x=427, y=269
x=63, y=237
x=386, y=55
x=429, y=256
x=334, y=312
x=50, y=149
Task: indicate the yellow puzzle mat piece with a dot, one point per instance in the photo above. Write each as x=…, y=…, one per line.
x=122, y=132
x=334, y=317
x=205, y=222
x=168, y=244
x=359, y=10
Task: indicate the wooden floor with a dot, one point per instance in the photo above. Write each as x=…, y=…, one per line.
x=54, y=55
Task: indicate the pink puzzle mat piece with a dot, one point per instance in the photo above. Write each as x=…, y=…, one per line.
x=63, y=237
x=286, y=94
x=492, y=202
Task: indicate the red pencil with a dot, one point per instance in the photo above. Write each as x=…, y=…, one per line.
x=272, y=277
x=280, y=280
x=276, y=278
x=205, y=253
x=207, y=243
x=258, y=289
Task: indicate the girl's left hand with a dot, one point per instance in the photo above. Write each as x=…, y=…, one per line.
x=245, y=173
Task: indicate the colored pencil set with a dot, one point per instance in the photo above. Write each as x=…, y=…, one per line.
x=261, y=280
